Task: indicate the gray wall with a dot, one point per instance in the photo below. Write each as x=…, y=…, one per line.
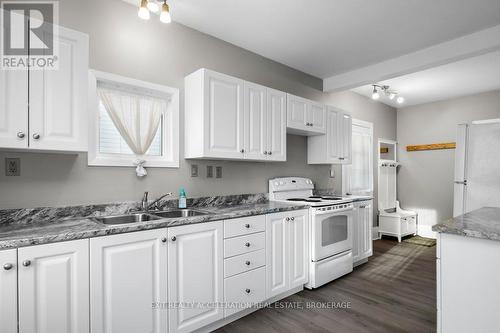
x=425, y=179
x=148, y=50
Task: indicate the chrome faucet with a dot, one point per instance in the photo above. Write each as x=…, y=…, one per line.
x=146, y=207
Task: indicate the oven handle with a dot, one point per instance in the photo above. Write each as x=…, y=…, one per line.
x=332, y=212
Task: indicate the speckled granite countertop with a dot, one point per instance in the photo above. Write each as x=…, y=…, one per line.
x=57, y=229
x=481, y=223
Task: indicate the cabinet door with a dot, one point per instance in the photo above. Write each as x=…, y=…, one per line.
x=316, y=117
x=14, y=109
x=224, y=117
x=298, y=248
x=346, y=132
x=255, y=128
x=54, y=288
x=276, y=125
x=367, y=213
x=333, y=137
x=195, y=267
x=277, y=278
x=8, y=291
x=58, y=98
x=128, y=282
x=297, y=112
x=357, y=237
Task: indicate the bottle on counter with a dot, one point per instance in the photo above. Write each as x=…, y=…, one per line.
x=182, y=198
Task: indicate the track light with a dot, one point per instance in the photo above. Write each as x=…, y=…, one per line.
x=153, y=6
x=392, y=95
x=375, y=94
x=400, y=100
x=165, y=13
x=143, y=10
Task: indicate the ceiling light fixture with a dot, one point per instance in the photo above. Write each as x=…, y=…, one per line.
x=153, y=6
x=391, y=94
x=375, y=94
x=143, y=10
x=165, y=13
x=400, y=100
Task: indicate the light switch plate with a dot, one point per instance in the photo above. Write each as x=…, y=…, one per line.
x=12, y=166
x=210, y=171
x=218, y=172
x=194, y=170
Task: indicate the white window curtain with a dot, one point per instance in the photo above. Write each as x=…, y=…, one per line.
x=135, y=116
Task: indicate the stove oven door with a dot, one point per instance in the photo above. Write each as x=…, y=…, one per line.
x=331, y=233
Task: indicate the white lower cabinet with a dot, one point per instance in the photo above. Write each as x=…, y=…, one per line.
x=53, y=287
x=244, y=290
x=195, y=280
x=8, y=291
x=287, y=251
x=128, y=282
x=362, y=231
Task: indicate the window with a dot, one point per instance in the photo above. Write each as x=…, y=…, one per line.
x=357, y=178
x=120, y=121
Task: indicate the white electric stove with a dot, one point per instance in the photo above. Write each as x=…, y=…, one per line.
x=330, y=227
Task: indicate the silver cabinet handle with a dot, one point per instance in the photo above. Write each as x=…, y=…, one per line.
x=265, y=153
x=242, y=151
x=164, y=240
x=287, y=219
x=174, y=239
x=247, y=244
x=36, y=136
x=8, y=266
x=247, y=291
x=26, y=263
x=292, y=218
x=21, y=135
x=247, y=226
x=270, y=152
x=247, y=263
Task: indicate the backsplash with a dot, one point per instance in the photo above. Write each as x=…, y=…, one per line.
x=31, y=215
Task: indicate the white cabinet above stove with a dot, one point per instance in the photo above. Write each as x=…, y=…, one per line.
x=229, y=118
x=335, y=147
x=305, y=117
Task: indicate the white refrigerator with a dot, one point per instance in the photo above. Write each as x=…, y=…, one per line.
x=477, y=166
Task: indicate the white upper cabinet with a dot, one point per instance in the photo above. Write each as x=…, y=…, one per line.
x=195, y=268
x=305, y=117
x=8, y=291
x=336, y=146
x=14, y=109
x=228, y=118
x=47, y=109
x=53, y=287
x=128, y=282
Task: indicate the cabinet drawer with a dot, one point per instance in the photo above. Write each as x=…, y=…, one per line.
x=244, y=290
x=244, y=244
x=244, y=262
x=244, y=226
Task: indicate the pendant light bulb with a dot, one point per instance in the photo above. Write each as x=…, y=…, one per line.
x=143, y=10
x=400, y=100
x=375, y=94
x=153, y=6
x=165, y=13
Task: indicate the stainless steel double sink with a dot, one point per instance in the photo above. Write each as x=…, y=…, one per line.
x=150, y=216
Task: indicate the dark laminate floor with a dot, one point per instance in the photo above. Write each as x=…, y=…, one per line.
x=394, y=292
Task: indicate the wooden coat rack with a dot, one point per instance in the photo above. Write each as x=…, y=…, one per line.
x=432, y=146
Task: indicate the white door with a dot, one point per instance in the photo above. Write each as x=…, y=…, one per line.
x=277, y=278
x=346, y=132
x=128, y=282
x=54, y=288
x=195, y=268
x=316, y=117
x=8, y=291
x=58, y=98
x=333, y=144
x=298, y=248
x=224, y=121
x=276, y=125
x=255, y=128
x=14, y=109
x=297, y=112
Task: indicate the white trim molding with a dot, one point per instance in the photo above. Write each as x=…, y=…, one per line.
x=468, y=46
x=170, y=124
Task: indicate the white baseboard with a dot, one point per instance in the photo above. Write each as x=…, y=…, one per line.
x=426, y=231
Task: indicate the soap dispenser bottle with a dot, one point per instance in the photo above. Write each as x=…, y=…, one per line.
x=182, y=198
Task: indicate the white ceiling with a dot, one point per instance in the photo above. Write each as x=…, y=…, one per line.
x=466, y=77
x=327, y=37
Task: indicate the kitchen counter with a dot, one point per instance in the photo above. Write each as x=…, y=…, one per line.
x=56, y=229
x=482, y=223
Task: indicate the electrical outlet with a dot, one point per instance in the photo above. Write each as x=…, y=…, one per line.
x=218, y=172
x=12, y=166
x=194, y=170
x=210, y=171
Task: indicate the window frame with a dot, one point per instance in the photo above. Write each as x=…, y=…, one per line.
x=346, y=174
x=170, y=134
